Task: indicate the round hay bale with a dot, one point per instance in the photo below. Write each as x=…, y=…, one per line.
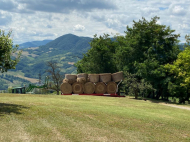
x=71, y=76
x=89, y=88
x=81, y=80
x=118, y=76
x=77, y=88
x=65, y=80
x=70, y=81
x=111, y=88
x=105, y=77
x=66, y=88
x=88, y=80
x=94, y=78
x=84, y=75
x=100, y=88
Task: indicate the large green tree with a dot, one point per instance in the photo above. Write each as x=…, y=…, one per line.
x=100, y=58
x=145, y=48
x=8, y=56
x=179, y=86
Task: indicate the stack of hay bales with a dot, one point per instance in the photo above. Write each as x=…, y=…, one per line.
x=91, y=83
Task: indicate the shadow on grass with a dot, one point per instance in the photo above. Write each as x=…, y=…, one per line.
x=11, y=108
x=159, y=101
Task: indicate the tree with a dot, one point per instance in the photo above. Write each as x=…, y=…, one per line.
x=56, y=75
x=7, y=60
x=145, y=49
x=134, y=86
x=100, y=58
x=180, y=85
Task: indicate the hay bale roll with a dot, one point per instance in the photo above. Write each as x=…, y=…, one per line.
x=81, y=80
x=118, y=76
x=89, y=88
x=66, y=88
x=100, y=88
x=70, y=81
x=105, y=77
x=88, y=80
x=70, y=76
x=77, y=88
x=94, y=78
x=65, y=80
x=82, y=75
x=111, y=88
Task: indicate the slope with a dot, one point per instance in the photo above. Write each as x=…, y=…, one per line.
x=33, y=44
x=66, y=50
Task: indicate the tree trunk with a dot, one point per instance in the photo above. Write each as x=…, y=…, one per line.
x=136, y=94
x=57, y=92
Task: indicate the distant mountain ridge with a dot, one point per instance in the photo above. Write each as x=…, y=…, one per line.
x=65, y=50
x=68, y=42
x=33, y=44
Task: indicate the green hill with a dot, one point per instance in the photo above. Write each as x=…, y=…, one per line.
x=33, y=44
x=66, y=50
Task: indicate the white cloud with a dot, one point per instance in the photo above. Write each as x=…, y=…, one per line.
x=39, y=20
x=79, y=28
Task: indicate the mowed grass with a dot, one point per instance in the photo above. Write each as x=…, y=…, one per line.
x=51, y=118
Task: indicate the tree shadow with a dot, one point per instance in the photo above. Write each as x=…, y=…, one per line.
x=11, y=108
x=158, y=101
x=151, y=100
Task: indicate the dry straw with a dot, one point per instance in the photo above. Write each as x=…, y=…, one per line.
x=82, y=75
x=118, y=76
x=111, y=88
x=94, y=78
x=100, y=88
x=77, y=88
x=105, y=77
x=89, y=88
x=70, y=76
x=81, y=80
x=66, y=88
x=70, y=81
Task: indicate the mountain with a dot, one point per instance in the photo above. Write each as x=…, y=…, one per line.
x=68, y=42
x=66, y=50
x=33, y=44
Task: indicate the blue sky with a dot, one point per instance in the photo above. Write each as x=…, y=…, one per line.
x=48, y=19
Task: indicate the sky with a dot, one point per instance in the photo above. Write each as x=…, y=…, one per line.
x=33, y=20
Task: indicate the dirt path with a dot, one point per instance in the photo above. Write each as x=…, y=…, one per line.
x=176, y=106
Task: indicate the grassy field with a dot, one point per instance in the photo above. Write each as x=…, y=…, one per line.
x=51, y=118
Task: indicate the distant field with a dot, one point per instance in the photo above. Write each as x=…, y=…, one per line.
x=51, y=118
x=21, y=75
x=32, y=80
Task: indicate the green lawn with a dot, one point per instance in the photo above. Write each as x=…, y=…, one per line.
x=49, y=118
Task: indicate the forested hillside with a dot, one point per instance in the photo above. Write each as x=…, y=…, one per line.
x=33, y=44
x=10, y=80
x=66, y=50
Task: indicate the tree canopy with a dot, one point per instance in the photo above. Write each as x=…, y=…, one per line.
x=145, y=48
x=180, y=85
x=7, y=60
x=100, y=58
x=143, y=51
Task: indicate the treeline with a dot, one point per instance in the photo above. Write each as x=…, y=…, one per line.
x=150, y=56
